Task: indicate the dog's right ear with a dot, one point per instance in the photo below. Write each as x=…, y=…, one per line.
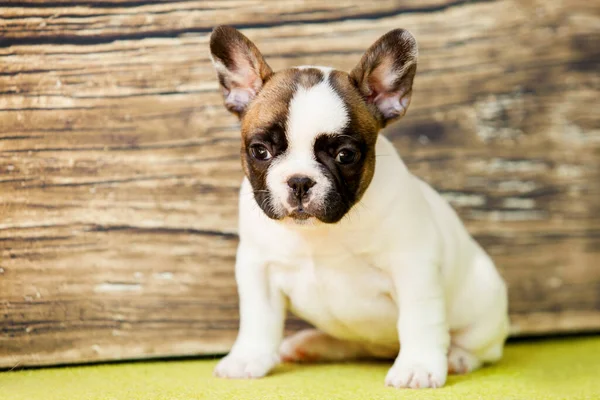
x=241, y=68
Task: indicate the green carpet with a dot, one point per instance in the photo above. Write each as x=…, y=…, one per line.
x=546, y=369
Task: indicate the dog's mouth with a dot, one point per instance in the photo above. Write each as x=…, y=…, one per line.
x=300, y=214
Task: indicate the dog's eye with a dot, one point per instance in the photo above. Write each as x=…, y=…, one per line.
x=260, y=152
x=346, y=156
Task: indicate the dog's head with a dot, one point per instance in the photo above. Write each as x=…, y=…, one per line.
x=309, y=133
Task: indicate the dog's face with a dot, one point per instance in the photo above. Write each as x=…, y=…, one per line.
x=309, y=133
x=308, y=145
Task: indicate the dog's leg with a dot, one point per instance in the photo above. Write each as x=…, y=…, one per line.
x=482, y=341
x=422, y=324
x=262, y=314
x=312, y=345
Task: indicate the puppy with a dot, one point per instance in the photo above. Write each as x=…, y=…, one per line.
x=335, y=228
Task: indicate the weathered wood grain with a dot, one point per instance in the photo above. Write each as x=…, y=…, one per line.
x=119, y=166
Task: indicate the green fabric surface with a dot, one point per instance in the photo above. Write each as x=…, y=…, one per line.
x=544, y=369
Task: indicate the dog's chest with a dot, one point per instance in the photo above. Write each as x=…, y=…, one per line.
x=344, y=293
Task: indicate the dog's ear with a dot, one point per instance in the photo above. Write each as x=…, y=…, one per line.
x=241, y=68
x=384, y=75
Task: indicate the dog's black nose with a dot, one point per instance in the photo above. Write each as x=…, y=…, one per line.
x=300, y=185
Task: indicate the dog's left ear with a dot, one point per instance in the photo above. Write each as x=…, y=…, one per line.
x=241, y=68
x=384, y=75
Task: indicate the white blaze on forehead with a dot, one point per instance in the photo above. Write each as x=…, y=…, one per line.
x=314, y=111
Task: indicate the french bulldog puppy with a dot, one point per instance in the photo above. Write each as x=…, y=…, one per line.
x=335, y=228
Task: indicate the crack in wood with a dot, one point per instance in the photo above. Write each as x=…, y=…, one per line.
x=91, y=4
x=171, y=33
x=162, y=230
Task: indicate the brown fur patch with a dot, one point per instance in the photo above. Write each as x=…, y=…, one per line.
x=310, y=77
x=272, y=103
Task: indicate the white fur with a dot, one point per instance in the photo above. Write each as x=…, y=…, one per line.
x=400, y=267
x=313, y=111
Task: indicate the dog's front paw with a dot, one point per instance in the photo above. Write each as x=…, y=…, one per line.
x=424, y=370
x=237, y=366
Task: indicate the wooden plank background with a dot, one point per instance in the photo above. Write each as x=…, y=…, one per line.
x=119, y=166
